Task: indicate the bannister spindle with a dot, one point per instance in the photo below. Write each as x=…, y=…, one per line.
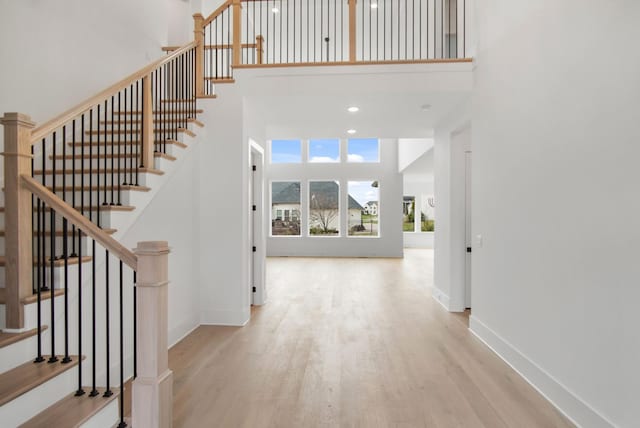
x=121, y=132
x=73, y=185
x=39, y=357
x=152, y=388
x=52, y=216
x=122, y=423
x=107, y=392
x=112, y=152
x=17, y=216
x=80, y=390
x=135, y=326
x=94, y=390
x=67, y=358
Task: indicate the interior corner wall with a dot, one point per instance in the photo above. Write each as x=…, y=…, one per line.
x=223, y=212
x=555, y=196
x=170, y=217
x=388, y=244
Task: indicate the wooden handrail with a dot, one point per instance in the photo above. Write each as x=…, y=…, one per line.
x=55, y=123
x=217, y=12
x=81, y=222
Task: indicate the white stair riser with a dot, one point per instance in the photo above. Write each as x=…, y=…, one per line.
x=33, y=402
x=107, y=417
x=58, y=247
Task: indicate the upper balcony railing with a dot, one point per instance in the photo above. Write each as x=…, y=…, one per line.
x=259, y=33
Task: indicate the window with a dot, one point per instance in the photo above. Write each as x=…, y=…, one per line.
x=427, y=214
x=285, y=208
x=408, y=213
x=324, y=150
x=363, y=150
x=286, y=151
x=324, y=208
x=363, y=203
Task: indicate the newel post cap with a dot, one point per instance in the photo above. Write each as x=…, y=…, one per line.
x=152, y=248
x=20, y=119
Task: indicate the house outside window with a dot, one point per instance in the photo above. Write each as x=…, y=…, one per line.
x=285, y=208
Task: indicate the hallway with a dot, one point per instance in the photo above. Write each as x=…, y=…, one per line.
x=349, y=343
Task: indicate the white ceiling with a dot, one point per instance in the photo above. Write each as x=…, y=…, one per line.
x=380, y=115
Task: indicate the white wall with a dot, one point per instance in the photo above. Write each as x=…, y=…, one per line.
x=56, y=54
x=388, y=244
x=449, y=245
x=555, y=195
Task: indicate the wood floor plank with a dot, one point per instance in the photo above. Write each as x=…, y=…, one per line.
x=350, y=343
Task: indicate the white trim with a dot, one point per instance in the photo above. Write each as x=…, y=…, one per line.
x=567, y=402
x=441, y=298
x=238, y=318
x=182, y=327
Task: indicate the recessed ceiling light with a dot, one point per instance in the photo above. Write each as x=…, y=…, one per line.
x=351, y=131
x=353, y=109
x=275, y=10
x=374, y=6
x=425, y=107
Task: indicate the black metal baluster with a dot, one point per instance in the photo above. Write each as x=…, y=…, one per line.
x=122, y=423
x=464, y=28
x=40, y=279
x=112, y=153
x=104, y=154
x=73, y=185
x=90, y=165
x=94, y=391
x=52, y=255
x=43, y=225
x=131, y=127
x=120, y=131
x=66, y=358
x=442, y=28
x=139, y=106
x=108, y=392
x=80, y=390
x=135, y=325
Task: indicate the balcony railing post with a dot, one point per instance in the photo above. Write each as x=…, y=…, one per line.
x=17, y=216
x=259, y=48
x=237, y=27
x=147, y=123
x=352, y=30
x=153, y=388
x=198, y=36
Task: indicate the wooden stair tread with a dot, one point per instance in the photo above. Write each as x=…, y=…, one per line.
x=96, y=156
x=44, y=295
x=220, y=79
x=116, y=143
x=95, y=188
x=61, y=232
x=72, y=411
x=138, y=112
x=7, y=339
x=24, y=378
x=121, y=122
x=60, y=262
x=100, y=171
x=108, y=132
x=164, y=156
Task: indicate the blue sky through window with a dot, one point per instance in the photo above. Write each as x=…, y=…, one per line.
x=327, y=150
x=286, y=151
x=363, y=192
x=363, y=150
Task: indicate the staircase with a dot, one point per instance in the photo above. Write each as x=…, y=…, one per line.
x=64, y=355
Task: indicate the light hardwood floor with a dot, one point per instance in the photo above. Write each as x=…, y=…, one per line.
x=350, y=343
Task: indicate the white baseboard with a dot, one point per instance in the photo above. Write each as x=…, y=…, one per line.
x=180, y=332
x=441, y=298
x=568, y=403
x=223, y=317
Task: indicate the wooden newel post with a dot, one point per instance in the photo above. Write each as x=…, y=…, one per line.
x=17, y=216
x=352, y=30
x=198, y=36
x=148, y=136
x=259, y=48
x=153, y=388
x=237, y=31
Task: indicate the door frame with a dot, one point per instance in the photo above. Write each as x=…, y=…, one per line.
x=257, y=230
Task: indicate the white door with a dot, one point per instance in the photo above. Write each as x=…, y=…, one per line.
x=467, y=234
